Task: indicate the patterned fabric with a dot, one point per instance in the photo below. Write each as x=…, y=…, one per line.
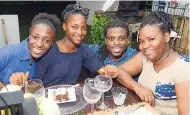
x=78, y=7
x=185, y=58
x=162, y=83
x=165, y=91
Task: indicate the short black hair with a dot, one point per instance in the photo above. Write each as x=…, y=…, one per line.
x=50, y=19
x=74, y=9
x=117, y=23
x=159, y=18
x=103, y=52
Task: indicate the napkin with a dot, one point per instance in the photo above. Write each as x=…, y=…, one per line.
x=11, y=88
x=140, y=111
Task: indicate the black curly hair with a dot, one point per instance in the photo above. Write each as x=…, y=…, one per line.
x=161, y=19
x=74, y=9
x=114, y=24
x=49, y=19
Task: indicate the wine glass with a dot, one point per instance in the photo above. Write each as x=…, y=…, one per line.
x=36, y=87
x=103, y=83
x=90, y=93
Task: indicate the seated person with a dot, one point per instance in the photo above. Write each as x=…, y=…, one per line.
x=116, y=50
x=19, y=59
x=165, y=78
x=63, y=63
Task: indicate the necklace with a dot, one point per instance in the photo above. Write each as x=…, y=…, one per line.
x=166, y=55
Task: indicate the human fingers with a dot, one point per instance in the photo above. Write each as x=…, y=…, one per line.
x=151, y=97
x=26, y=77
x=111, y=70
x=14, y=79
x=19, y=76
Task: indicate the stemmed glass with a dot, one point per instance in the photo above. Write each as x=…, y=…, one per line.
x=103, y=83
x=90, y=93
x=36, y=87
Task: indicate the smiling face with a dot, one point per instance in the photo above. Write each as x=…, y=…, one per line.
x=40, y=40
x=153, y=43
x=116, y=42
x=75, y=28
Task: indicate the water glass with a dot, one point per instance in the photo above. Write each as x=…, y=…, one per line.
x=90, y=93
x=103, y=83
x=119, y=94
x=36, y=87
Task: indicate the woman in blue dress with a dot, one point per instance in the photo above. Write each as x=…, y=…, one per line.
x=63, y=63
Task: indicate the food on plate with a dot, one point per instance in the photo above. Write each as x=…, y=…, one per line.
x=60, y=94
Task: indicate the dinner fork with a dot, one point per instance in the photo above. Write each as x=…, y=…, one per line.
x=128, y=112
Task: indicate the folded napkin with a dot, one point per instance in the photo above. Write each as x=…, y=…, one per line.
x=129, y=110
x=10, y=88
x=139, y=111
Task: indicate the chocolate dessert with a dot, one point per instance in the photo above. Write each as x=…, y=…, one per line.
x=61, y=94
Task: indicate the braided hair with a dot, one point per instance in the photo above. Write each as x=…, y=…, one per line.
x=74, y=9
x=162, y=19
x=103, y=53
x=49, y=19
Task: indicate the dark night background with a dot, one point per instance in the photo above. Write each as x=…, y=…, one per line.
x=26, y=10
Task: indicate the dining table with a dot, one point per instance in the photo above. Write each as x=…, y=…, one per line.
x=131, y=98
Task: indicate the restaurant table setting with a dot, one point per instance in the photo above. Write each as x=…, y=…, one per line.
x=85, y=98
x=73, y=100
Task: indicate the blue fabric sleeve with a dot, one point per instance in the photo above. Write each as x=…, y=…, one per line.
x=91, y=60
x=5, y=57
x=94, y=48
x=133, y=52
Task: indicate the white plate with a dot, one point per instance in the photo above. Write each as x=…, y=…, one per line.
x=71, y=95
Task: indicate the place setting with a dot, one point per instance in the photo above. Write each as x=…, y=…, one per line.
x=68, y=97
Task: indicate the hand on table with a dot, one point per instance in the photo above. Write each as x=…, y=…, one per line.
x=19, y=78
x=145, y=95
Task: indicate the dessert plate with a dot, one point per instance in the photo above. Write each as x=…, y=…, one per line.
x=70, y=107
x=70, y=91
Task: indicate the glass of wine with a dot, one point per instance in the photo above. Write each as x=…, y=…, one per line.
x=36, y=87
x=90, y=93
x=103, y=83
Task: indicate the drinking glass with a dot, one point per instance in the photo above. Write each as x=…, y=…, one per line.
x=103, y=83
x=36, y=87
x=119, y=95
x=90, y=93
